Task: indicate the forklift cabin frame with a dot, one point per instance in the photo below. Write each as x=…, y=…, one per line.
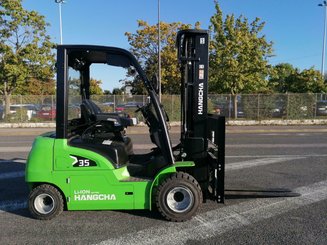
x=81, y=57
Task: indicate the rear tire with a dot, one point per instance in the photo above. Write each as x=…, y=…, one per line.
x=179, y=197
x=45, y=202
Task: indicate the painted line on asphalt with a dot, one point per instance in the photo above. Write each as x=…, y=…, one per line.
x=17, y=141
x=319, y=145
x=13, y=161
x=258, y=162
x=15, y=149
x=213, y=223
x=287, y=134
x=277, y=156
x=12, y=175
x=8, y=206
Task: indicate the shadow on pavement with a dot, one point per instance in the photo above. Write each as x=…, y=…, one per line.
x=13, y=189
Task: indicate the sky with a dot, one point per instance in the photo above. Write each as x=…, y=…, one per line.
x=294, y=26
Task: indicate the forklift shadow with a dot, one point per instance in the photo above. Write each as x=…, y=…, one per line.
x=10, y=169
x=13, y=189
x=24, y=213
x=265, y=193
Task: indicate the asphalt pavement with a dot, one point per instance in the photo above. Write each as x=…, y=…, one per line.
x=257, y=158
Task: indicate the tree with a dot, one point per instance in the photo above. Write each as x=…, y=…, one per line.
x=238, y=55
x=95, y=87
x=306, y=81
x=107, y=92
x=36, y=87
x=279, y=77
x=311, y=81
x=144, y=45
x=25, y=48
x=287, y=79
x=117, y=91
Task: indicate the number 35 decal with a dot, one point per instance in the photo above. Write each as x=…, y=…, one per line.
x=82, y=162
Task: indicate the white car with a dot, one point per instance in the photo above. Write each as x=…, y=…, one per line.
x=30, y=109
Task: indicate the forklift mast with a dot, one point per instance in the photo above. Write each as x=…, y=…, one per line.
x=193, y=48
x=202, y=134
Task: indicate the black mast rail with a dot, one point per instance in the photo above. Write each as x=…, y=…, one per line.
x=197, y=125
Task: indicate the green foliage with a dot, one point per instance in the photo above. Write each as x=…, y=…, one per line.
x=25, y=48
x=106, y=92
x=19, y=116
x=238, y=54
x=95, y=87
x=36, y=87
x=144, y=45
x=259, y=106
x=172, y=105
x=301, y=106
x=117, y=91
x=310, y=81
x=287, y=79
x=278, y=79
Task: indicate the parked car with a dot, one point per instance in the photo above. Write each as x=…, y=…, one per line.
x=107, y=106
x=226, y=109
x=47, y=112
x=221, y=108
x=31, y=110
x=108, y=103
x=279, y=110
x=321, y=108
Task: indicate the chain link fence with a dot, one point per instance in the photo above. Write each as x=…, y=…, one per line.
x=30, y=108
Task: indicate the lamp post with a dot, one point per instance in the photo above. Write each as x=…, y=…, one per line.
x=159, y=54
x=324, y=4
x=60, y=20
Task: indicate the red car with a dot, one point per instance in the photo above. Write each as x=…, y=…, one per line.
x=47, y=112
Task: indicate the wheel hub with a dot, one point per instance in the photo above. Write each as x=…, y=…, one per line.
x=44, y=203
x=180, y=199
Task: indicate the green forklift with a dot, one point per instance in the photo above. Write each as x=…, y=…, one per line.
x=88, y=163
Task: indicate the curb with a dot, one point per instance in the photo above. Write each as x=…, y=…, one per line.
x=28, y=125
x=277, y=122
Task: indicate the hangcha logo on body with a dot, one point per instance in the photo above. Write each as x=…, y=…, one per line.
x=87, y=195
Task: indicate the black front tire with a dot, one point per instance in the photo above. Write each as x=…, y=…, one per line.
x=45, y=202
x=179, y=197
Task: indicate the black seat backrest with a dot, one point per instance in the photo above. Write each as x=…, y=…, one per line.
x=89, y=110
x=95, y=108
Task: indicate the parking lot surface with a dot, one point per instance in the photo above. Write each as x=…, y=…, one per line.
x=257, y=158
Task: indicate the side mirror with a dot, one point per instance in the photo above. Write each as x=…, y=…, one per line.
x=155, y=83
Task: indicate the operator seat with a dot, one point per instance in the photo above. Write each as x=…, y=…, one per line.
x=93, y=116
